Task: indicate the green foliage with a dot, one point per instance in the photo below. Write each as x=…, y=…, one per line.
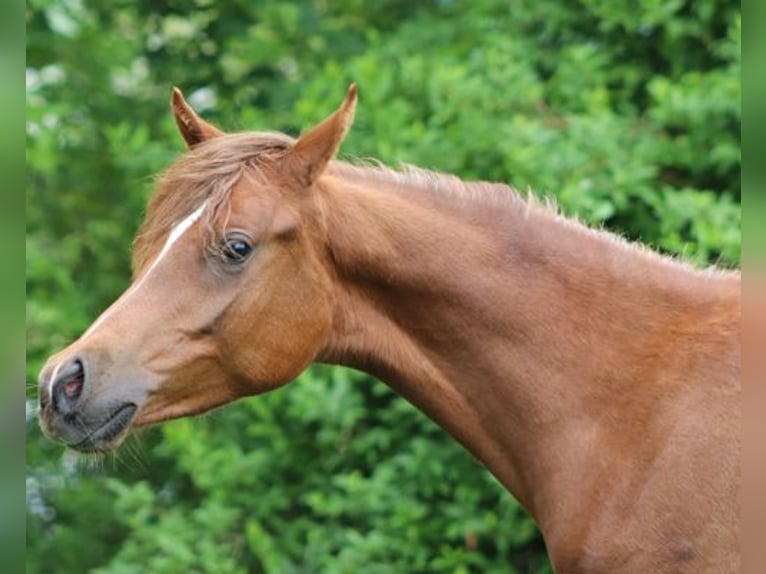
x=628, y=113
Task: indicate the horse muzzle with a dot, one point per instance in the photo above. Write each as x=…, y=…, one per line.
x=69, y=412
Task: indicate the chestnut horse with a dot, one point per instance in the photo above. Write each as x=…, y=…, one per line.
x=598, y=381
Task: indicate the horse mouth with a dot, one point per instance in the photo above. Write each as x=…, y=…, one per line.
x=101, y=439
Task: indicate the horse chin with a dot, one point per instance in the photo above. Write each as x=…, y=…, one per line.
x=165, y=407
x=169, y=413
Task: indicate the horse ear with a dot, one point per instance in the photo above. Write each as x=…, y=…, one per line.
x=193, y=128
x=317, y=147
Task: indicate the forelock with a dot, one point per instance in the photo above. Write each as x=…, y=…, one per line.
x=206, y=173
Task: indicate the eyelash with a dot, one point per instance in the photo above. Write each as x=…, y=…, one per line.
x=234, y=249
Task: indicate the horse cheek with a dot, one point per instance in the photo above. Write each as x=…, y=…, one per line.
x=271, y=346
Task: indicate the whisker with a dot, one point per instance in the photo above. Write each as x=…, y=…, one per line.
x=131, y=450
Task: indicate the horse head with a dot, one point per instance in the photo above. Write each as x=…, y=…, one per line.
x=231, y=295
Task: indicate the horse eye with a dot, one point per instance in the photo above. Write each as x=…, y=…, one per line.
x=235, y=249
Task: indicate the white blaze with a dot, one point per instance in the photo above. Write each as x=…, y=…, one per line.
x=175, y=234
x=53, y=378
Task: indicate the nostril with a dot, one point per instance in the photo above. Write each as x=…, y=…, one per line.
x=73, y=387
x=67, y=386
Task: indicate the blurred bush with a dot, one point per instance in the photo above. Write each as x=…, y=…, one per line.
x=628, y=113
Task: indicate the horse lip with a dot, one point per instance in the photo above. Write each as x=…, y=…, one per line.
x=100, y=438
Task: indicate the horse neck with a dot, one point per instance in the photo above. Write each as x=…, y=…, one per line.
x=516, y=330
